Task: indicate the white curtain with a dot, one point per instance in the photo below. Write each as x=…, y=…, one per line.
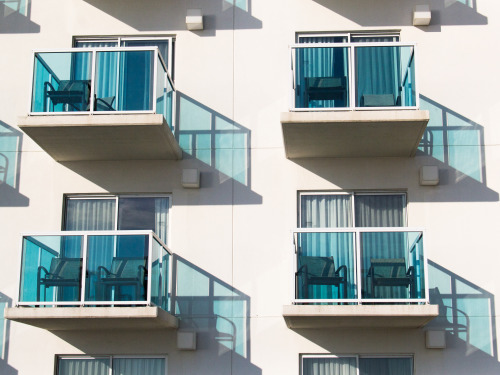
x=329, y=366
x=83, y=366
x=90, y=214
x=138, y=366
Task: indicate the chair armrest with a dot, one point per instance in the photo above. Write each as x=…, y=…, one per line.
x=39, y=272
x=50, y=84
x=343, y=267
x=411, y=271
x=302, y=269
x=102, y=268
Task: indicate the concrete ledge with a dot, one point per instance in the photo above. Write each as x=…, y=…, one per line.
x=385, y=133
x=83, y=318
x=103, y=137
x=359, y=316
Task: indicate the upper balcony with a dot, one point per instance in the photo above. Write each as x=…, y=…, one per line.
x=94, y=280
x=353, y=100
x=113, y=103
x=359, y=277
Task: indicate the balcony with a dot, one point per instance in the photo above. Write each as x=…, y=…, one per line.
x=359, y=277
x=94, y=280
x=353, y=100
x=102, y=104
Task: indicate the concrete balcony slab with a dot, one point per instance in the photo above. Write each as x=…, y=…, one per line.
x=103, y=137
x=93, y=318
x=349, y=134
x=359, y=316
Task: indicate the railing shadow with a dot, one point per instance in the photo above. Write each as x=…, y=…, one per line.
x=466, y=311
x=10, y=165
x=171, y=15
x=5, y=368
x=387, y=12
x=213, y=308
x=15, y=17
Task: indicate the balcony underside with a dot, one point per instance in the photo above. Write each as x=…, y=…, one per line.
x=103, y=137
x=93, y=318
x=359, y=316
x=347, y=134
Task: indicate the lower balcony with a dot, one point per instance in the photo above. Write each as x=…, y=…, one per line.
x=94, y=280
x=359, y=277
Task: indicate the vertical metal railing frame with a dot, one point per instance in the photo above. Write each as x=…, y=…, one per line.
x=156, y=56
x=84, y=254
x=351, y=47
x=356, y=235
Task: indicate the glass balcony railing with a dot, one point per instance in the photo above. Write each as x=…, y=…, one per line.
x=359, y=265
x=107, y=80
x=108, y=268
x=354, y=76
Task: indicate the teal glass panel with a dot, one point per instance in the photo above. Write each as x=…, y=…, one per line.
x=322, y=77
x=385, y=76
x=117, y=268
x=160, y=276
x=325, y=266
x=164, y=94
x=124, y=81
x=61, y=82
x=51, y=269
x=392, y=265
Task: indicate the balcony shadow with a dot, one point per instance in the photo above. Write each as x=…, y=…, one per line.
x=451, y=141
x=171, y=15
x=211, y=307
x=466, y=312
x=385, y=13
x=5, y=368
x=15, y=17
x=10, y=164
x=211, y=142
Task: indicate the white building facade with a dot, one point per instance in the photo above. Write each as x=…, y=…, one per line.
x=304, y=187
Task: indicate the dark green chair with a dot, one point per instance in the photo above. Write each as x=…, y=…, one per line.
x=63, y=272
x=315, y=270
x=390, y=272
x=124, y=271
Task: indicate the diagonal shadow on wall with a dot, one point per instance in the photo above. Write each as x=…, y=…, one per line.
x=10, y=166
x=5, y=368
x=396, y=13
x=15, y=17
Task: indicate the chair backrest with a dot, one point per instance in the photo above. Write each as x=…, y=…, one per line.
x=127, y=267
x=389, y=268
x=318, y=266
x=65, y=268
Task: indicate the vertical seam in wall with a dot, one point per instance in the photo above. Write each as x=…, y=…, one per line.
x=232, y=189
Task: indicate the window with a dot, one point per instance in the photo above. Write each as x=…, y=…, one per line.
x=350, y=365
x=164, y=44
x=114, y=365
x=330, y=210
x=118, y=213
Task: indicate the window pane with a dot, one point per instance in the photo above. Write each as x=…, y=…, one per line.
x=161, y=44
x=325, y=211
x=329, y=366
x=139, y=366
x=83, y=366
x=380, y=210
x=385, y=366
x=90, y=214
x=147, y=213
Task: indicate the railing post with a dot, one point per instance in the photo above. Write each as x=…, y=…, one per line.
x=84, y=269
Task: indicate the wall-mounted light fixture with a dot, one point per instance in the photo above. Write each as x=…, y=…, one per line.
x=191, y=178
x=421, y=15
x=194, y=19
x=429, y=175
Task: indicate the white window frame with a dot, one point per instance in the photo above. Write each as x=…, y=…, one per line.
x=353, y=195
x=358, y=357
x=117, y=197
x=120, y=39
x=110, y=357
x=396, y=35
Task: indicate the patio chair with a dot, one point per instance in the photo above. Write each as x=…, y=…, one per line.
x=104, y=104
x=326, y=88
x=390, y=273
x=378, y=100
x=123, y=272
x=63, y=272
x=73, y=93
x=317, y=270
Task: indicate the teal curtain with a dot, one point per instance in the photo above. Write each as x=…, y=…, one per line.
x=327, y=211
x=329, y=366
x=331, y=62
